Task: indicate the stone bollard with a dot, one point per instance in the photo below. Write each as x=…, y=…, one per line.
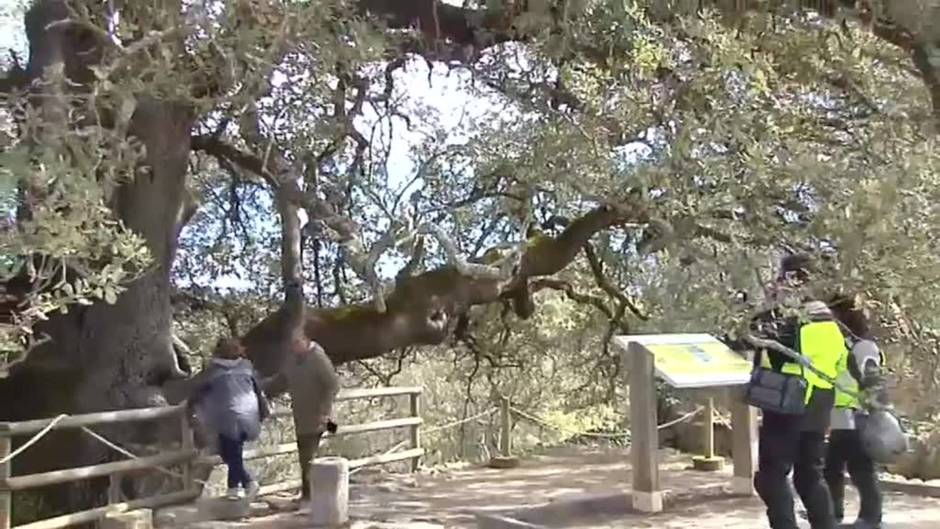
x=139, y=519
x=329, y=492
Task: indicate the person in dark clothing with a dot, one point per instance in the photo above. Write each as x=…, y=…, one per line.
x=797, y=442
x=861, y=371
x=229, y=397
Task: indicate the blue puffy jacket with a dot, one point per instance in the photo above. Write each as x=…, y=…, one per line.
x=229, y=398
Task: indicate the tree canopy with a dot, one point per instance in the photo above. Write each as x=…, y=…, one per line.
x=435, y=172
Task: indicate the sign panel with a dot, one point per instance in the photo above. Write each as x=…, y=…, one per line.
x=692, y=360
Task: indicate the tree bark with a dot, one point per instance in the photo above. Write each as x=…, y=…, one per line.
x=105, y=357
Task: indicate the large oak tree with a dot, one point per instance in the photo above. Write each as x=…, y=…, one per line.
x=699, y=137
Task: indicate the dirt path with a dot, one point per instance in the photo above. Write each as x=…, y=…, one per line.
x=449, y=499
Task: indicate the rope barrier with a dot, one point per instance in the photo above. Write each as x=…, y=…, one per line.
x=100, y=438
x=436, y=429
x=602, y=435
x=480, y=415
x=42, y=433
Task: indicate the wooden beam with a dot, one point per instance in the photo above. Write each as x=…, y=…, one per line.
x=6, y=498
x=356, y=394
x=92, y=515
x=283, y=486
x=289, y=448
x=249, y=455
x=90, y=419
x=376, y=426
x=743, y=443
x=382, y=459
x=644, y=439
x=416, y=428
x=94, y=471
x=353, y=394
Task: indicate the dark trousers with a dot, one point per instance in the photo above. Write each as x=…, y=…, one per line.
x=231, y=452
x=307, y=447
x=784, y=447
x=845, y=450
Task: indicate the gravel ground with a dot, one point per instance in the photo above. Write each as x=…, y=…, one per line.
x=448, y=498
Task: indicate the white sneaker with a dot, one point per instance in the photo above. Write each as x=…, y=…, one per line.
x=252, y=490
x=234, y=494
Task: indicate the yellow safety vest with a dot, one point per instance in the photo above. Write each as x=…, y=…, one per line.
x=846, y=380
x=823, y=344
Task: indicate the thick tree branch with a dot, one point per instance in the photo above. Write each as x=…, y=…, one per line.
x=423, y=309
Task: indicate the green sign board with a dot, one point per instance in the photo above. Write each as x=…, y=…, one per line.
x=691, y=360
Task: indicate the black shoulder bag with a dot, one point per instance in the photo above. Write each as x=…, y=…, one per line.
x=777, y=392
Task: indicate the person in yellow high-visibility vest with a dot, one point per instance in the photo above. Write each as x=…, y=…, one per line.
x=797, y=442
x=860, y=371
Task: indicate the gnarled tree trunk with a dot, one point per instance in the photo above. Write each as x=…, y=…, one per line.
x=105, y=357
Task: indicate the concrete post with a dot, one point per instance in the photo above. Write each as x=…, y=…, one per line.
x=329, y=492
x=138, y=519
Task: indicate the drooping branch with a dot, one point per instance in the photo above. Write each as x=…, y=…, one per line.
x=597, y=270
x=597, y=302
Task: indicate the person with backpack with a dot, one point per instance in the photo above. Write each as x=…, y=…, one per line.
x=861, y=371
x=796, y=401
x=229, y=397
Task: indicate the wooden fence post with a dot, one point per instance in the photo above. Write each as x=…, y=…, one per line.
x=416, y=429
x=644, y=435
x=6, y=496
x=114, y=489
x=186, y=443
x=505, y=458
x=708, y=462
x=744, y=444
x=505, y=434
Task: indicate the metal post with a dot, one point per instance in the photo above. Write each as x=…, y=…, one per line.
x=505, y=436
x=187, y=442
x=6, y=496
x=416, y=429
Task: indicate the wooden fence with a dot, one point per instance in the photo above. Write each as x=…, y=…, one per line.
x=186, y=457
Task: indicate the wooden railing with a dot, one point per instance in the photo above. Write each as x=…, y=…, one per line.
x=186, y=457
